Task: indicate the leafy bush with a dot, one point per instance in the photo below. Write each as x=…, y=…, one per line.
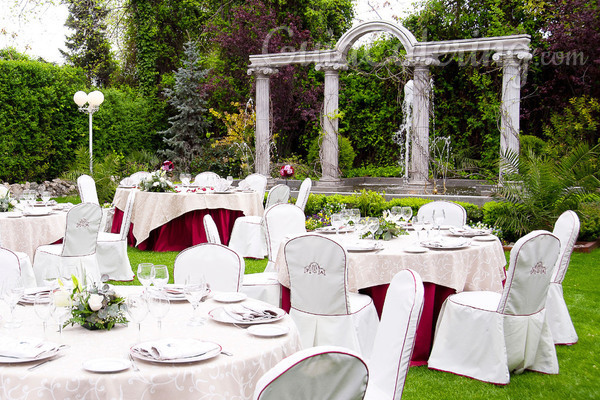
x=589, y=215
x=371, y=170
x=492, y=212
x=346, y=154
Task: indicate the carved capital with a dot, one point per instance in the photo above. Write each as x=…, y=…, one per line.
x=331, y=66
x=264, y=71
x=512, y=57
x=418, y=61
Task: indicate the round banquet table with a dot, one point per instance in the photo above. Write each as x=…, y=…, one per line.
x=221, y=377
x=480, y=266
x=173, y=221
x=27, y=233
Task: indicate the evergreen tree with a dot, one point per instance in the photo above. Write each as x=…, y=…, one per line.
x=88, y=47
x=188, y=131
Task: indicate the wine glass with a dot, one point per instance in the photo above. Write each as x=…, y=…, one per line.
x=185, y=179
x=137, y=309
x=336, y=222
x=61, y=307
x=439, y=216
x=42, y=305
x=145, y=274
x=396, y=213
x=418, y=226
x=50, y=276
x=45, y=197
x=361, y=227
x=346, y=218
x=406, y=213
x=373, y=225
x=159, y=306
x=194, y=292
x=160, y=276
x=14, y=293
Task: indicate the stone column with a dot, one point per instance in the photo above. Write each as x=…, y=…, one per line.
x=263, y=132
x=419, y=169
x=511, y=100
x=329, y=152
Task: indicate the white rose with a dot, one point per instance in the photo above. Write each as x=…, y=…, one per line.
x=155, y=184
x=95, y=302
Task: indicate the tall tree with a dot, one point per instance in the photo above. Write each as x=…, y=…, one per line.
x=88, y=47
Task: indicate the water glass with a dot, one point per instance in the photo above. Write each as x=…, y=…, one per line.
x=185, y=179
x=361, y=227
x=145, y=274
x=160, y=275
x=337, y=221
x=373, y=225
x=406, y=213
x=137, y=310
x=439, y=216
x=159, y=306
x=45, y=197
x=61, y=307
x=42, y=305
x=194, y=293
x=14, y=293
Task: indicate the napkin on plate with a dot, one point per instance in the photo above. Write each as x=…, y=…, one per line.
x=24, y=347
x=174, y=349
x=250, y=312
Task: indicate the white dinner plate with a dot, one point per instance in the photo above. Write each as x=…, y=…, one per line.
x=104, y=365
x=41, y=357
x=220, y=315
x=363, y=247
x=222, y=192
x=208, y=355
x=332, y=230
x=13, y=214
x=30, y=293
x=268, y=330
x=446, y=244
x=229, y=297
x=38, y=214
x=487, y=238
x=454, y=231
x=415, y=250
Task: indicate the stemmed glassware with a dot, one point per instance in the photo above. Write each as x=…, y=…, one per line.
x=137, y=309
x=13, y=294
x=61, y=307
x=361, y=227
x=42, y=305
x=373, y=225
x=160, y=275
x=337, y=221
x=406, y=213
x=145, y=274
x=439, y=216
x=45, y=197
x=185, y=179
x=418, y=226
x=159, y=306
x=194, y=292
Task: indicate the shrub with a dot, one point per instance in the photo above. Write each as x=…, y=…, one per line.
x=492, y=211
x=371, y=170
x=589, y=215
x=345, y=158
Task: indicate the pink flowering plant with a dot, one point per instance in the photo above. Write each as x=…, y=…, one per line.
x=286, y=171
x=96, y=307
x=168, y=166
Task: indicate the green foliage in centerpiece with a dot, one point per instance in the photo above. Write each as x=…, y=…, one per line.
x=157, y=182
x=96, y=307
x=387, y=229
x=6, y=202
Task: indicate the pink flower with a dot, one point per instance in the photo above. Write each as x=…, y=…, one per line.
x=286, y=171
x=168, y=166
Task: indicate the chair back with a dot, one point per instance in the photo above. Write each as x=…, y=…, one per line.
x=206, y=178
x=278, y=194
x=81, y=234
x=87, y=189
x=222, y=267
x=454, y=214
x=395, y=339
x=303, y=193
x=281, y=220
x=317, y=267
x=211, y=230
x=10, y=269
x=137, y=177
x=126, y=222
x=256, y=182
x=566, y=229
x=532, y=262
x=322, y=372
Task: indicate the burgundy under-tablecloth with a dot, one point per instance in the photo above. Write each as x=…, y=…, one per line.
x=434, y=297
x=182, y=232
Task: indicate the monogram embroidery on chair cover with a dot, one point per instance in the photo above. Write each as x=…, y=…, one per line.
x=538, y=268
x=83, y=223
x=314, y=268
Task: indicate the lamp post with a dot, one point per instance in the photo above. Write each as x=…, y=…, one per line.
x=94, y=99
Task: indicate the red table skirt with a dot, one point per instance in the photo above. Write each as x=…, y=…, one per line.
x=434, y=297
x=182, y=232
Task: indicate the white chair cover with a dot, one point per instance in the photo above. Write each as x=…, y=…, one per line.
x=77, y=253
x=211, y=230
x=318, y=373
x=27, y=275
x=486, y=335
x=248, y=235
x=455, y=214
x=135, y=178
x=395, y=339
x=255, y=182
x=10, y=269
x=87, y=189
x=566, y=229
x=303, y=193
x=264, y=287
x=206, y=178
x=324, y=311
x=222, y=267
x=111, y=252
x=281, y=221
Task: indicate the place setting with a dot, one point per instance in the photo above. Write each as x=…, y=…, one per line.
x=246, y=313
x=21, y=350
x=444, y=243
x=175, y=350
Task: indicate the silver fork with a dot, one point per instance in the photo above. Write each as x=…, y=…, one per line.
x=133, y=363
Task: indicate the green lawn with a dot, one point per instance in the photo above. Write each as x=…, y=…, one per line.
x=579, y=376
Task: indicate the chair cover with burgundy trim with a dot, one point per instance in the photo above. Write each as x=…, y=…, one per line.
x=303, y=193
x=255, y=182
x=26, y=267
x=111, y=252
x=77, y=253
x=135, y=178
x=248, y=233
x=395, y=338
x=223, y=268
x=211, y=230
x=487, y=335
x=454, y=214
x=10, y=269
x=87, y=189
x=281, y=221
x=325, y=312
x=207, y=178
x=317, y=373
x=566, y=229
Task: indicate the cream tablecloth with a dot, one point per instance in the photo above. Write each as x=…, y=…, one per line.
x=477, y=267
x=152, y=210
x=25, y=234
x=222, y=377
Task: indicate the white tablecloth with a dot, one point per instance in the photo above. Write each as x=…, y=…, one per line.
x=477, y=267
x=25, y=234
x=222, y=377
x=152, y=210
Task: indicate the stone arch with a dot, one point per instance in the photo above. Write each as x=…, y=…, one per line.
x=344, y=44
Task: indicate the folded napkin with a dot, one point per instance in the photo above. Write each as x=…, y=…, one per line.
x=248, y=312
x=174, y=349
x=24, y=347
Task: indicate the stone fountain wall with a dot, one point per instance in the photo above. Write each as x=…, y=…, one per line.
x=56, y=187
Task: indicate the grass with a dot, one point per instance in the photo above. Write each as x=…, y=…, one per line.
x=579, y=376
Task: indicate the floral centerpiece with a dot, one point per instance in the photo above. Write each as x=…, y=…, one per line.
x=387, y=229
x=96, y=307
x=286, y=171
x=157, y=182
x=6, y=202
